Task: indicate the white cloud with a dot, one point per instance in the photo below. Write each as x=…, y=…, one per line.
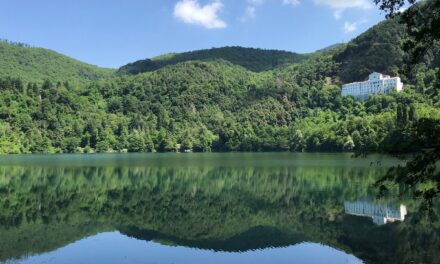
x=338, y=13
x=344, y=4
x=191, y=12
x=251, y=8
x=349, y=27
x=249, y=12
x=291, y=2
x=352, y=26
x=402, y=9
x=255, y=2
x=339, y=6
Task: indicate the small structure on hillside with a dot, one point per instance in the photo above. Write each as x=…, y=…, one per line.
x=377, y=83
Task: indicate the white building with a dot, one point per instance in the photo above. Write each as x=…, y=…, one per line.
x=376, y=84
x=381, y=213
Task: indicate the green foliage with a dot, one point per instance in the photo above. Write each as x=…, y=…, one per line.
x=231, y=99
x=197, y=201
x=379, y=49
x=206, y=106
x=252, y=59
x=37, y=65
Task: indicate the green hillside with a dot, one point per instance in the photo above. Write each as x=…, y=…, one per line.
x=379, y=49
x=256, y=60
x=204, y=106
x=231, y=99
x=37, y=64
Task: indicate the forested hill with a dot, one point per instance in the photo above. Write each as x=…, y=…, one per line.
x=37, y=64
x=247, y=100
x=378, y=49
x=256, y=60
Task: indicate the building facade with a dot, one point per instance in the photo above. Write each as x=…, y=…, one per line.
x=380, y=213
x=376, y=84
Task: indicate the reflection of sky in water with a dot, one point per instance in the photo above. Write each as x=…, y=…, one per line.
x=116, y=248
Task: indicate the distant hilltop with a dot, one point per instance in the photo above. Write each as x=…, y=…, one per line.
x=377, y=49
x=252, y=59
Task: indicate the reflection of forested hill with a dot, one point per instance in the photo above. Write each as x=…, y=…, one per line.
x=258, y=237
x=220, y=208
x=39, y=237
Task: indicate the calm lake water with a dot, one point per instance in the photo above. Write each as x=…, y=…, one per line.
x=207, y=208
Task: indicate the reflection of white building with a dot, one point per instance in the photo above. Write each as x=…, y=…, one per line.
x=377, y=83
x=380, y=213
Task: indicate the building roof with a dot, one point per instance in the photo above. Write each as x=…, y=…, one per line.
x=374, y=73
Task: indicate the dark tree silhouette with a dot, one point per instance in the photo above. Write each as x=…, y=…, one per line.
x=420, y=176
x=392, y=7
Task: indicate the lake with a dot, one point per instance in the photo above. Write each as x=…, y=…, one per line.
x=207, y=208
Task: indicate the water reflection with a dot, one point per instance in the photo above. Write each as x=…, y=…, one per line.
x=232, y=203
x=113, y=247
x=380, y=213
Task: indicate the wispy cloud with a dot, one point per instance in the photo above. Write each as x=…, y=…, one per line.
x=251, y=7
x=352, y=26
x=349, y=27
x=291, y=2
x=402, y=9
x=207, y=16
x=339, y=6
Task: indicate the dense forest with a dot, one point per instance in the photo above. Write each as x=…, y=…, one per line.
x=252, y=59
x=30, y=64
x=227, y=99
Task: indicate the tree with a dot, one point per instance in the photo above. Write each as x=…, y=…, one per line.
x=349, y=144
x=421, y=175
x=70, y=144
x=136, y=142
x=422, y=21
x=297, y=141
x=392, y=7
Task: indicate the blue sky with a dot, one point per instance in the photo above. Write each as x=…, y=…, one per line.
x=112, y=33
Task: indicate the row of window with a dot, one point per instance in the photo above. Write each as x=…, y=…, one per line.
x=369, y=88
x=372, y=82
x=368, y=85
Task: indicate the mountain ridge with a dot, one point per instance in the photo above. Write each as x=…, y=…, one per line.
x=357, y=59
x=253, y=59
